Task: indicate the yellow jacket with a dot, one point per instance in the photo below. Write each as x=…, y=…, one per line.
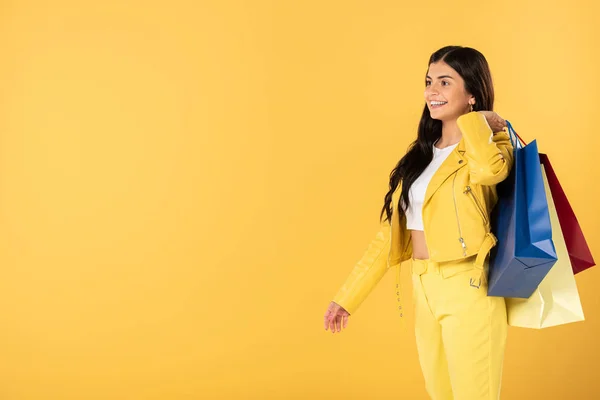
x=456, y=211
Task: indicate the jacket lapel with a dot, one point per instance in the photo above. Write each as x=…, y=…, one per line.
x=455, y=161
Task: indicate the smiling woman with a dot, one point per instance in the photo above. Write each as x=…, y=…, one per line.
x=438, y=207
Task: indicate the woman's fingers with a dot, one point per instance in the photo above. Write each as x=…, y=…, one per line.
x=332, y=311
x=495, y=121
x=338, y=321
x=335, y=318
x=501, y=122
x=334, y=324
x=327, y=319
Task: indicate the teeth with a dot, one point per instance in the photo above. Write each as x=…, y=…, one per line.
x=435, y=103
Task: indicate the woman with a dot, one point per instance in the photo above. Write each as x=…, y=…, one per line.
x=438, y=217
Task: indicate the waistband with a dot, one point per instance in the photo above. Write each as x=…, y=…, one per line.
x=475, y=263
x=445, y=269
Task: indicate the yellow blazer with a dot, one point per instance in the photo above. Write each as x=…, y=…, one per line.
x=456, y=211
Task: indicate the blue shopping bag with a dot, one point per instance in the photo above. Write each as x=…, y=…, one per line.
x=525, y=251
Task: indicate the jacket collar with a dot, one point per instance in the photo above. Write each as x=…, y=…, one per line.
x=455, y=161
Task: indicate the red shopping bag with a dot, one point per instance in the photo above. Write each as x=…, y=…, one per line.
x=579, y=252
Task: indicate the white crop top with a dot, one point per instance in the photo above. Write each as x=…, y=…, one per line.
x=414, y=216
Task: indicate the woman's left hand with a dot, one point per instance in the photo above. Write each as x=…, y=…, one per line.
x=496, y=122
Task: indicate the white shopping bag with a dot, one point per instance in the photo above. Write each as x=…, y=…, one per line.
x=556, y=300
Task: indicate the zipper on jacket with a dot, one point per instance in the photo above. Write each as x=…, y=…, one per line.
x=469, y=191
x=460, y=238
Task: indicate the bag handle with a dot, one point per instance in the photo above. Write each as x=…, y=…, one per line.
x=513, y=134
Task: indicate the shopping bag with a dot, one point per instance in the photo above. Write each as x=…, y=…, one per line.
x=525, y=251
x=579, y=252
x=556, y=300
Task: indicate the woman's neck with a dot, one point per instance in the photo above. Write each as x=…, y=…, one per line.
x=451, y=134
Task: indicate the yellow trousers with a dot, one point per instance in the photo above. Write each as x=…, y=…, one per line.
x=460, y=331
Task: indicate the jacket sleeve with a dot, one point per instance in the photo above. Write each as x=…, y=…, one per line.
x=490, y=155
x=367, y=272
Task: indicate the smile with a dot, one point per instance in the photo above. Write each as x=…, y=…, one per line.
x=437, y=104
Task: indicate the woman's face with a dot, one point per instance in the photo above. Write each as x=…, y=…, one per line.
x=444, y=84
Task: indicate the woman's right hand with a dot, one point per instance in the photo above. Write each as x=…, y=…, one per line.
x=336, y=317
x=496, y=122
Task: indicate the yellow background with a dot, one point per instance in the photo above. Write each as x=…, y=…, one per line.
x=185, y=185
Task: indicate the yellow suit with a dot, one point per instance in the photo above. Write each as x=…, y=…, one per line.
x=456, y=211
x=460, y=330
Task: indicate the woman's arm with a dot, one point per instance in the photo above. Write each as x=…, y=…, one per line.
x=489, y=154
x=367, y=272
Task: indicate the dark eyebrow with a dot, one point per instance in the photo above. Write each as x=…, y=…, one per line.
x=442, y=76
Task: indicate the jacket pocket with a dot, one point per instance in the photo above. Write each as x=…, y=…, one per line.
x=469, y=192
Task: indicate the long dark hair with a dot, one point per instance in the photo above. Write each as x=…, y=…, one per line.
x=472, y=66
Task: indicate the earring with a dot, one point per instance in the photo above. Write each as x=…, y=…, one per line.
x=471, y=106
